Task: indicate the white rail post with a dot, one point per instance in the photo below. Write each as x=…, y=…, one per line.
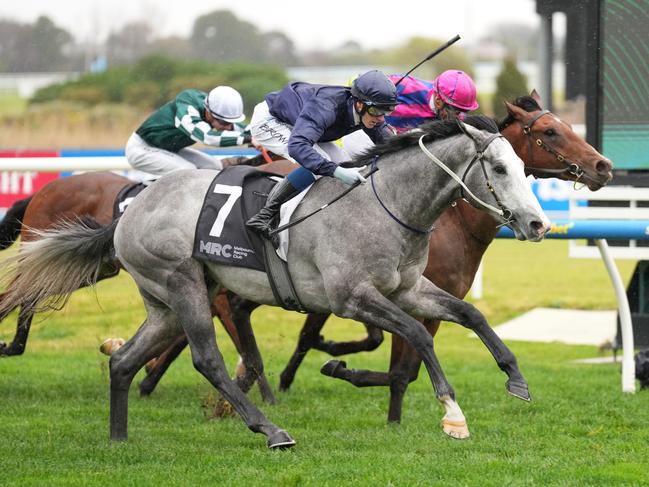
x=628, y=364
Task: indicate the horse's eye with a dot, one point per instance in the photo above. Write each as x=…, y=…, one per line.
x=550, y=132
x=500, y=170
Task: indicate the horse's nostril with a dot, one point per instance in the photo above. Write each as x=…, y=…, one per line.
x=603, y=167
x=539, y=227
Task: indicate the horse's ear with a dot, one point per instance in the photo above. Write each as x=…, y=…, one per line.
x=466, y=129
x=516, y=112
x=536, y=97
x=462, y=126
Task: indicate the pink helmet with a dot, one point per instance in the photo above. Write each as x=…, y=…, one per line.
x=456, y=88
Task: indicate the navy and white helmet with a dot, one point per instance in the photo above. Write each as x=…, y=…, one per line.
x=375, y=88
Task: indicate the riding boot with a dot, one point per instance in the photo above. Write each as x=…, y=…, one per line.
x=262, y=222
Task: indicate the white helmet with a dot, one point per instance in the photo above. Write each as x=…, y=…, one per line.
x=225, y=103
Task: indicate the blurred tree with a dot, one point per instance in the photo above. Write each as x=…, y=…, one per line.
x=32, y=48
x=128, y=44
x=221, y=36
x=279, y=49
x=174, y=47
x=154, y=80
x=11, y=34
x=510, y=84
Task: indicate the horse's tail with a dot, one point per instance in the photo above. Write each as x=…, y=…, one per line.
x=61, y=260
x=12, y=223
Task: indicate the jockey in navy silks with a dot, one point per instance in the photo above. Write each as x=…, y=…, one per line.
x=302, y=121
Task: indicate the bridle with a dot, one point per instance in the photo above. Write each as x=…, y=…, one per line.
x=571, y=166
x=503, y=211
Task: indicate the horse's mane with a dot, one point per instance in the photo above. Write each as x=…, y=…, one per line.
x=435, y=130
x=527, y=103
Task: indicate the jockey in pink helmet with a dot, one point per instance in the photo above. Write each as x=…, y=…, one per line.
x=453, y=94
x=450, y=95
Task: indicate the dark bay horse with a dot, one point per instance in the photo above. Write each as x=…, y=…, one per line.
x=548, y=147
x=379, y=282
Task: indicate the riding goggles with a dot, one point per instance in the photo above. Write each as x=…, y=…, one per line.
x=379, y=110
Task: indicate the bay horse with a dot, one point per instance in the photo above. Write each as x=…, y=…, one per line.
x=379, y=282
x=547, y=146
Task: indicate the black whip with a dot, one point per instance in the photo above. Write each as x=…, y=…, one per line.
x=430, y=56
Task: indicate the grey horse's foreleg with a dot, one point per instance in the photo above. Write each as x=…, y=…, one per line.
x=369, y=306
x=429, y=301
x=189, y=299
x=250, y=354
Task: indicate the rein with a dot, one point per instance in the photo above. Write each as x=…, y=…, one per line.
x=571, y=166
x=392, y=215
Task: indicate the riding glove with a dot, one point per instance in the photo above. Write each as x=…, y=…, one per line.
x=349, y=175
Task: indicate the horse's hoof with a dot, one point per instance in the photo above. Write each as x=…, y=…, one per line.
x=519, y=389
x=331, y=366
x=455, y=429
x=111, y=345
x=280, y=440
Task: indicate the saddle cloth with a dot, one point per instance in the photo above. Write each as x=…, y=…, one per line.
x=249, y=245
x=235, y=194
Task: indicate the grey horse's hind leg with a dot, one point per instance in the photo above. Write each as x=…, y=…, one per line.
x=189, y=298
x=430, y=301
x=158, y=331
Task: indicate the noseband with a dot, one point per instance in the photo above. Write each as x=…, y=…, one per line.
x=571, y=167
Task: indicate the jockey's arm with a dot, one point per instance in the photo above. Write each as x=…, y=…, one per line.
x=309, y=128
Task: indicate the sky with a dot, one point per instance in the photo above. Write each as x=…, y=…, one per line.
x=374, y=24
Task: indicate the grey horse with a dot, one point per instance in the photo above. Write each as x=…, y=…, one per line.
x=362, y=258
